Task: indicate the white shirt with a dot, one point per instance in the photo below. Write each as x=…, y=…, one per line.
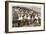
x=28, y=17
x=25, y=17
x=20, y=18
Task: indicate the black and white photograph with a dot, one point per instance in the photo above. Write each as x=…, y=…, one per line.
x=24, y=16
